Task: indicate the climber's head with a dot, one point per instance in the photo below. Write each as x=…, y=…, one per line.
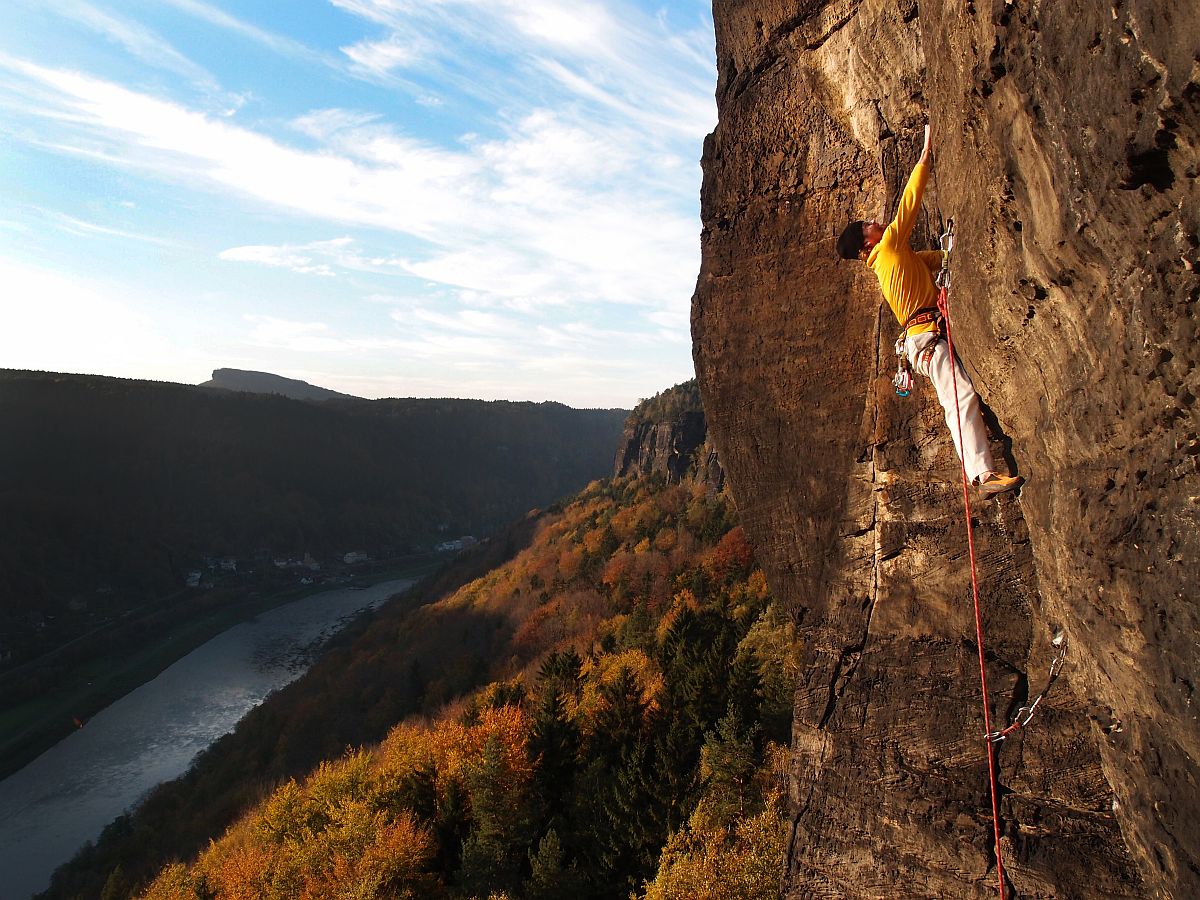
x=858, y=238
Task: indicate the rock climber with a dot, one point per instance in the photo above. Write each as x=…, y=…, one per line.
x=906, y=279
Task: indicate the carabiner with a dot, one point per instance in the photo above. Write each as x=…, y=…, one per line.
x=946, y=241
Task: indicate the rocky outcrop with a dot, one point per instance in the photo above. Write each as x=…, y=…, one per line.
x=266, y=383
x=1066, y=139
x=667, y=435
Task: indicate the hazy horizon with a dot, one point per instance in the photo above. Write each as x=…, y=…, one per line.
x=203, y=383
x=385, y=198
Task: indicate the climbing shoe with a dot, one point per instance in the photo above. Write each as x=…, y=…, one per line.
x=995, y=483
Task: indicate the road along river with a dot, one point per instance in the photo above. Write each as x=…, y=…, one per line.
x=66, y=796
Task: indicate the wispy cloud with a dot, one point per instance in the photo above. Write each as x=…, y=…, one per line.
x=323, y=258
x=136, y=129
x=135, y=38
x=323, y=124
x=83, y=228
x=309, y=337
x=379, y=59
x=214, y=15
x=553, y=210
x=610, y=54
x=302, y=259
x=517, y=180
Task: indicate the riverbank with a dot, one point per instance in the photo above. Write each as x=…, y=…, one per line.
x=30, y=728
x=69, y=794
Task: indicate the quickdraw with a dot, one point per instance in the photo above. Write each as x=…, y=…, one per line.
x=903, y=381
x=1025, y=713
x=946, y=243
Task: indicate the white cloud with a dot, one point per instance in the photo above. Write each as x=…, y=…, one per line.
x=559, y=208
x=495, y=271
x=379, y=58
x=611, y=54
x=82, y=228
x=383, y=12
x=277, y=257
x=135, y=129
x=323, y=124
x=579, y=25
x=138, y=40
x=286, y=46
x=300, y=258
x=309, y=337
x=673, y=324
x=314, y=258
x=567, y=220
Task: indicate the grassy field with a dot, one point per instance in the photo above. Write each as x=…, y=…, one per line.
x=29, y=729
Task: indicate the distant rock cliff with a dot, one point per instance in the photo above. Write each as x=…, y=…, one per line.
x=667, y=435
x=1066, y=138
x=266, y=383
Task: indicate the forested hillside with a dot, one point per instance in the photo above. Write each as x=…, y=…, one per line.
x=112, y=490
x=614, y=690
x=640, y=674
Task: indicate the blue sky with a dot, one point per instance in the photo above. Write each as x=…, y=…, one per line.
x=467, y=198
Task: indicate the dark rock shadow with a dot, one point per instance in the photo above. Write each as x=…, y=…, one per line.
x=996, y=433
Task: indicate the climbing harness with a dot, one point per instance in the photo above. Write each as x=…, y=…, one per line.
x=943, y=284
x=904, y=379
x=1025, y=713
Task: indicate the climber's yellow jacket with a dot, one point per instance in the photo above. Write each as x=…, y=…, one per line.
x=906, y=275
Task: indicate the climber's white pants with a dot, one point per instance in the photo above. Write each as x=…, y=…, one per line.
x=974, y=452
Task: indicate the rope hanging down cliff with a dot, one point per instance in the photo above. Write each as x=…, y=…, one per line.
x=1025, y=713
x=943, y=304
x=923, y=309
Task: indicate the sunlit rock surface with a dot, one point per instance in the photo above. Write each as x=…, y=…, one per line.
x=1066, y=139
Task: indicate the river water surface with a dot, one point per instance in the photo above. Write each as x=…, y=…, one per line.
x=66, y=796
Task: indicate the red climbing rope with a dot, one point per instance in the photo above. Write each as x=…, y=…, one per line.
x=944, y=306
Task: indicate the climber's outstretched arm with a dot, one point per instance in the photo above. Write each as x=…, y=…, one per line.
x=906, y=214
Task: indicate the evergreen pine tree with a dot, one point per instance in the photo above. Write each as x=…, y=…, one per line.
x=554, y=747
x=550, y=878
x=728, y=762
x=117, y=886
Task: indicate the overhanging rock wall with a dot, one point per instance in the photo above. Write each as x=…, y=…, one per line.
x=1066, y=138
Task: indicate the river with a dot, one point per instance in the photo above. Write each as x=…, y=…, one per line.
x=66, y=796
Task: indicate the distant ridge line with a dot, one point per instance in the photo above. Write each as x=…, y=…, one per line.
x=267, y=383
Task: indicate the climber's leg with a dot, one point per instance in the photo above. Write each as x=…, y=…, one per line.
x=936, y=366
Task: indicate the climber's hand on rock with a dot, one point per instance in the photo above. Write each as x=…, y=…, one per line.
x=925, y=149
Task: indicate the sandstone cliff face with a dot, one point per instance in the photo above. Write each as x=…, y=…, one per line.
x=1067, y=150
x=667, y=435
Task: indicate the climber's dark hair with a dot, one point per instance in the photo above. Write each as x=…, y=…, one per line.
x=850, y=243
